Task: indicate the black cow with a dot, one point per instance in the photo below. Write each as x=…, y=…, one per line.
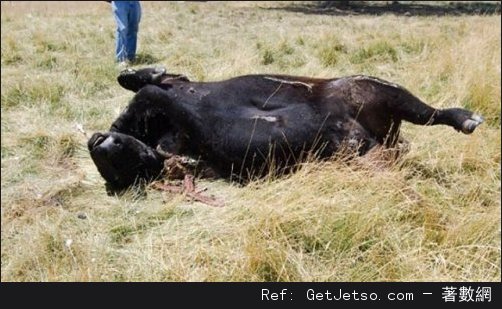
x=249, y=125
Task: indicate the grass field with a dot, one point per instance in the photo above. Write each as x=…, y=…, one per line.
x=434, y=216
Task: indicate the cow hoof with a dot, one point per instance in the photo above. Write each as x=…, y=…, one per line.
x=160, y=69
x=157, y=74
x=469, y=125
x=127, y=71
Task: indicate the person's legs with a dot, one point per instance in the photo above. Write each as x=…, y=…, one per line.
x=121, y=18
x=132, y=29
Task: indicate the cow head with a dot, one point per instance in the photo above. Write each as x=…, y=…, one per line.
x=134, y=80
x=123, y=160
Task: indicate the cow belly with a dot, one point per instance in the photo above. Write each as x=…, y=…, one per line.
x=280, y=137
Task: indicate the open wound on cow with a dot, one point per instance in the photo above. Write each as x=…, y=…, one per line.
x=266, y=118
x=187, y=187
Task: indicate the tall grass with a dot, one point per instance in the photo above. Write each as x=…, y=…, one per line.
x=433, y=216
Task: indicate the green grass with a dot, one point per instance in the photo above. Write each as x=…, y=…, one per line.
x=434, y=216
x=331, y=50
x=380, y=51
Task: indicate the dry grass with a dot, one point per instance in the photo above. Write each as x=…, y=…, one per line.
x=433, y=217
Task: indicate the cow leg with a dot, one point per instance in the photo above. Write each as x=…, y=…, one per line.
x=381, y=106
x=146, y=117
x=182, y=111
x=134, y=80
x=409, y=108
x=153, y=112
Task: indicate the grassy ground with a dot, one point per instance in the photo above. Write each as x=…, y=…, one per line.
x=435, y=216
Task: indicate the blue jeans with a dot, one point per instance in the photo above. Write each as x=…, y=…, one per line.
x=127, y=15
